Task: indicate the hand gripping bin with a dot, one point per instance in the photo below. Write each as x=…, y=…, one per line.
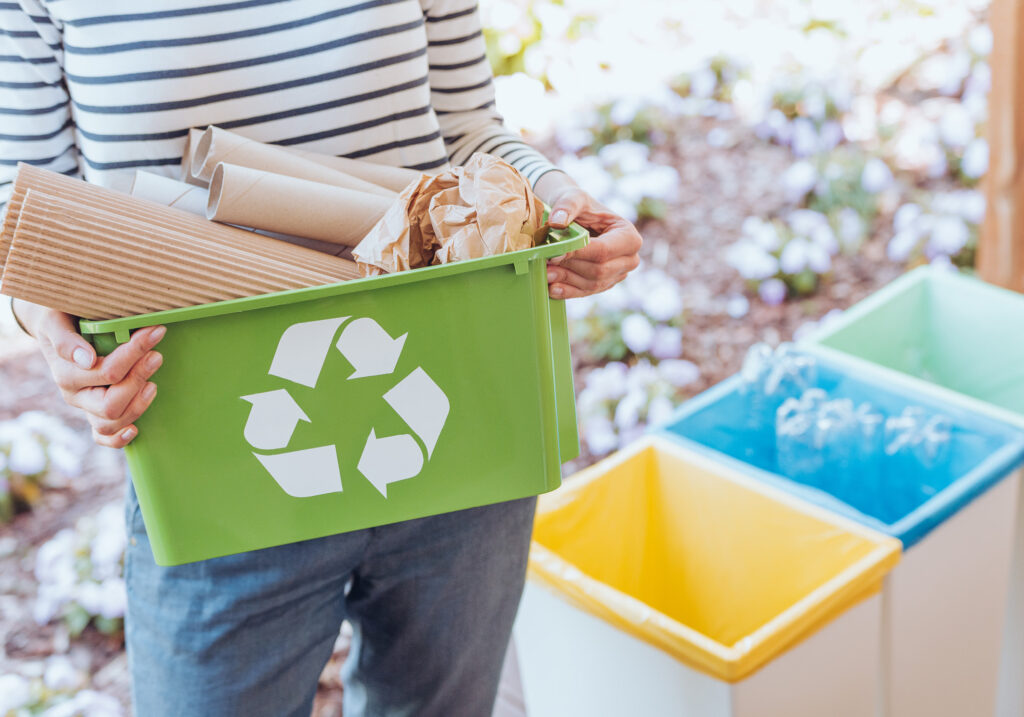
x=317, y=411
x=662, y=583
x=943, y=606
x=961, y=340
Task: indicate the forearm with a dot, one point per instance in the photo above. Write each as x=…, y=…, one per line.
x=553, y=184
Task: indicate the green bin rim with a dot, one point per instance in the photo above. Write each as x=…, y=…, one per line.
x=558, y=242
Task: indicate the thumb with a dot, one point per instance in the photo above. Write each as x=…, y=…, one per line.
x=566, y=208
x=59, y=330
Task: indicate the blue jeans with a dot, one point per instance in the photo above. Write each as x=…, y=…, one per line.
x=431, y=602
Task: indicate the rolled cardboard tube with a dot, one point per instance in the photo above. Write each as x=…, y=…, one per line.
x=191, y=141
x=217, y=145
x=159, y=217
x=169, y=192
x=278, y=203
x=393, y=178
x=193, y=199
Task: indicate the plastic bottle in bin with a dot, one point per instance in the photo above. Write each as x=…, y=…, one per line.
x=770, y=377
x=916, y=442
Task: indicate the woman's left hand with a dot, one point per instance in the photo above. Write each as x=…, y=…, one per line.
x=609, y=256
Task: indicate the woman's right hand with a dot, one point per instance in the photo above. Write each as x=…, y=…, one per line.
x=113, y=390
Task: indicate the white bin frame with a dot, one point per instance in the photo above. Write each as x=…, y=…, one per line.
x=572, y=663
x=1009, y=700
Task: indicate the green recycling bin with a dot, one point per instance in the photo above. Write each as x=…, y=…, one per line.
x=317, y=411
x=959, y=339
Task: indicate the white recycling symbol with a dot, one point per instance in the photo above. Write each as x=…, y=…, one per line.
x=299, y=358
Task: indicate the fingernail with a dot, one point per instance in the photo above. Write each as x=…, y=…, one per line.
x=82, y=357
x=149, y=391
x=552, y=275
x=128, y=433
x=560, y=217
x=557, y=292
x=158, y=333
x=153, y=361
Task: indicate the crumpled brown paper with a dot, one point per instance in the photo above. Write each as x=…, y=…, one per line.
x=482, y=208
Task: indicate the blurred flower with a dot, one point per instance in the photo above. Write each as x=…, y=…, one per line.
x=637, y=333
x=974, y=163
x=15, y=692
x=737, y=306
x=79, y=574
x=60, y=674
x=876, y=176
x=678, y=372
x=773, y=291
x=667, y=343
x=751, y=261
x=799, y=180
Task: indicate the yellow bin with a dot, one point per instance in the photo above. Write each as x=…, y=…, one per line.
x=664, y=583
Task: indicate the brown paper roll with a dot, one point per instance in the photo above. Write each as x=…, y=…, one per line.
x=217, y=145
x=394, y=178
x=93, y=263
x=158, y=217
x=194, y=135
x=170, y=193
x=252, y=198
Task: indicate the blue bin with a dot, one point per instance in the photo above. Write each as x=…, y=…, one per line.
x=906, y=504
x=943, y=604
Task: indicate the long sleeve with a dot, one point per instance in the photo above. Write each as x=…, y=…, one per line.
x=462, y=90
x=35, y=113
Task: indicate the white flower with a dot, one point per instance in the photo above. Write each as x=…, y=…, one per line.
x=737, y=306
x=949, y=236
x=974, y=163
x=876, y=176
x=60, y=674
x=795, y=255
x=851, y=227
x=637, y=333
x=818, y=258
x=703, y=83
x=667, y=343
x=956, y=126
x=28, y=456
x=825, y=239
x=805, y=140
x=613, y=300
x=799, y=180
x=772, y=292
x=663, y=302
x=905, y=217
x=627, y=413
x=902, y=245
x=600, y=437
x=112, y=598
x=678, y=372
x=762, y=233
x=660, y=411
x=15, y=692
x=980, y=39
x=627, y=155
x=752, y=261
x=806, y=221
x=579, y=308
x=609, y=381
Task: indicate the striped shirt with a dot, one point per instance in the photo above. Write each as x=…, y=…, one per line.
x=98, y=89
